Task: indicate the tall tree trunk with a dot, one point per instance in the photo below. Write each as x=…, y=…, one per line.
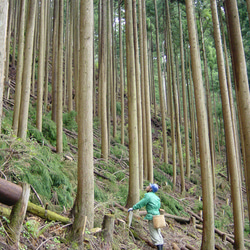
x=3, y=33
x=230, y=142
x=121, y=77
x=15, y=30
x=138, y=97
x=54, y=60
x=161, y=92
x=175, y=101
x=103, y=82
x=109, y=72
x=40, y=80
x=59, y=120
x=76, y=50
x=69, y=80
x=47, y=54
x=27, y=65
x=209, y=106
x=192, y=114
x=205, y=157
x=184, y=98
x=171, y=109
x=144, y=130
x=241, y=83
x=8, y=38
x=114, y=66
x=147, y=97
x=133, y=194
x=19, y=71
x=34, y=63
x=84, y=204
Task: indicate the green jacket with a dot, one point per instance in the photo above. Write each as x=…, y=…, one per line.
x=152, y=203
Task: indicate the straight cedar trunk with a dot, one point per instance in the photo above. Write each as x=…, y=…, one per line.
x=84, y=204
x=192, y=114
x=48, y=37
x=76, y=50
x=99, y=57
x=233, y=112
x=103, y=83
x=27, y=66
x=184, y=98
x=133, y=193
x=41, y=60
x=59, y=119
x=241, y=83
x=161, y=91
x=114, y=76
x=69, y=75
x=205, y=157
x=109, y=71
x=209, y=107
x=3, y=33
x=8, y=38
x=121, y=77
x=36, y=35
x=171, y=109
x=19, y=71
x=54, y=60
x=176, y=103
x=148, y=141
x=15, y=31
x=138, y=97
x=230, y=139
x=144, y=130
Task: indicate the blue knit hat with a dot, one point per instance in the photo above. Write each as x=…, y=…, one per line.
x=154, y=187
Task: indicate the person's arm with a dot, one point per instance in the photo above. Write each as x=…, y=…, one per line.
x=143, y=202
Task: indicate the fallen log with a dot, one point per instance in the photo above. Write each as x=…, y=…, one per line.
x=38, y=211
x=46, y=214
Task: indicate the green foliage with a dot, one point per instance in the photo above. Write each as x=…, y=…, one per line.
x=32, y=227
x=50, y=133
x=118, y=108
x=119, y=151
x=170, y=205
x=159, y=177
x=198, y=206
x=167, y=168
x=122, y=194
x=246, y=228
x=69, y=121
x=33, y=132
x=41, y=168
x=100, y=195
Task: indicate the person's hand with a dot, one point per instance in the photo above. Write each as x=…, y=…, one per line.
x=130, y=209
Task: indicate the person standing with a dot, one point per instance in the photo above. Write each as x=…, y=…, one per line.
x=153, y=204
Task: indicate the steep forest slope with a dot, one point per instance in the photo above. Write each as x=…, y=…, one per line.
x=53, y=181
